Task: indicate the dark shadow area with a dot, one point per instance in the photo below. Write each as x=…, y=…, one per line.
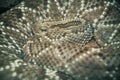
x=7, y=4
x=118, y=1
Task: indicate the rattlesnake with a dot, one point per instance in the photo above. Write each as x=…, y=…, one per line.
x=60, y=40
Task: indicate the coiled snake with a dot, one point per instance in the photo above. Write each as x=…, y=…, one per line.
x=60, y=40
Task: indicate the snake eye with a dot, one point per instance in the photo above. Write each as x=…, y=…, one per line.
x=43, y=30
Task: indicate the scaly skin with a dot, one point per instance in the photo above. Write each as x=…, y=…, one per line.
x=60, y=40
